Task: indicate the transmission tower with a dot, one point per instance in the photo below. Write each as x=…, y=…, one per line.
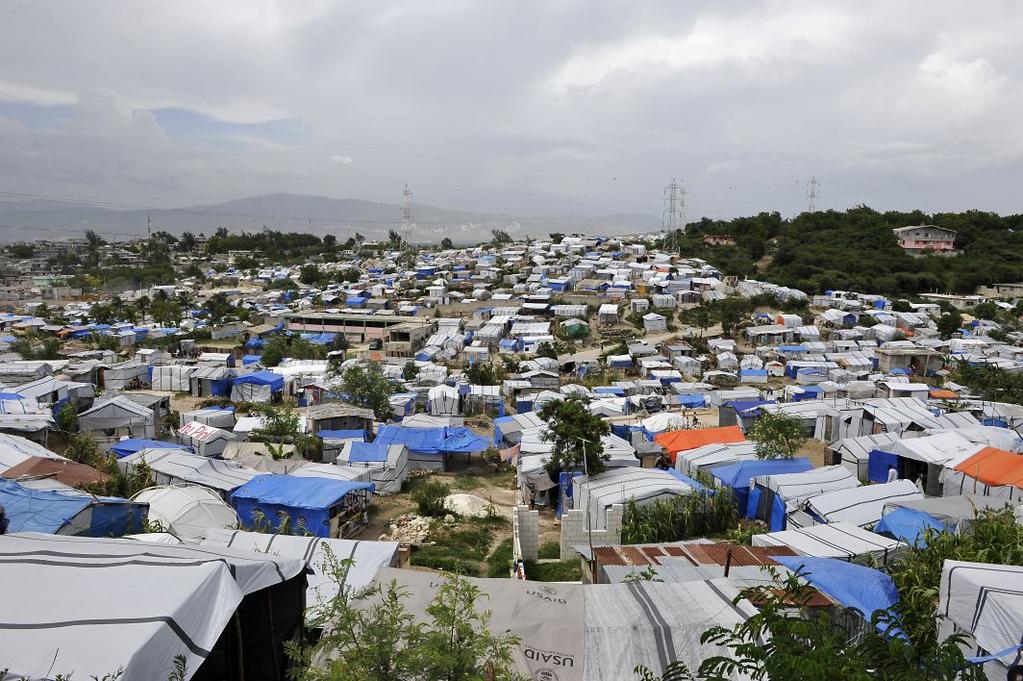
x=407, y=222
x=673, y=219
x=813, y=192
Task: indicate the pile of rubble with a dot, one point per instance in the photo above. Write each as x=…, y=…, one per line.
x=408, y=529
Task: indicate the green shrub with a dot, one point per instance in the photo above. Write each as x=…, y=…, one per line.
x=561, y=571
x=551, y=549
x=440, y=558
x=681, y=517
x=429, y=497
x=499, y=562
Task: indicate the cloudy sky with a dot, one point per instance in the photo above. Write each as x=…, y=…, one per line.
x=552, y=107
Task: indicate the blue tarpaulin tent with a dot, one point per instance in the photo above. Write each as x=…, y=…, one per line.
x=308, y=503
x=878, y=463
x=852, y=585
x=692, y=401
x=50, y=511
x=739, y=475
x=695, y=484
x=275, y=381
x=136, y=444
x=908, y=525
x=342, y=435
x=368, y=452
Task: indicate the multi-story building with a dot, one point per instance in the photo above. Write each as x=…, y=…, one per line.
x=921, y=239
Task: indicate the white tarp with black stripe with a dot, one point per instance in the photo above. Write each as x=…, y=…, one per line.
x=837, y=540
x=367, y=557
x=654, y=623
x=860, y=505
x=986, y=602
x=92, y=606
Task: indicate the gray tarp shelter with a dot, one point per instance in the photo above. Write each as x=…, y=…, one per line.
x=119, y=416
x=174, y=467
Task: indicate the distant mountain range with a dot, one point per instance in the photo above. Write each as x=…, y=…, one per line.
x=45, y=219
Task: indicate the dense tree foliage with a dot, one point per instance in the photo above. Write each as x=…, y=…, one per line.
x=777, y=435
x=576, y=435
x=366, y=386
x=857, y=250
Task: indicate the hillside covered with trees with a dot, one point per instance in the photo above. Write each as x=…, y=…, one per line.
x=857, y=250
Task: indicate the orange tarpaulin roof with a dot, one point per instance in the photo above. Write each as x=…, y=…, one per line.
x=676, y=441
x=993, y=466
x=944, y=394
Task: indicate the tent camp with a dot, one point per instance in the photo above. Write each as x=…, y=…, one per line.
x=854, y=452
x=170, y=601
x=387, y=465
x=773, y=498
x=836, y=540
x=15, y=450
x=367, y=558
x=675, y=441
x=708, y=457
x=332, y=471
x=429, y=448
x=172, y=377
x=175, y=467
x=920, y=457
x=204, y=440
x=443, y=400
x=739, y=476
x=984, y=602
x=123, y=448
x=860, y=506
x=294, y=504
x=257, y=386
x=218, y=417
x=619, y=485
x=990, y=472
x=69, y=512
x=112, y=418
x=187, y=511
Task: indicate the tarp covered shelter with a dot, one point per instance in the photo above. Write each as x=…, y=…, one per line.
x=773, y=497
x=367, y=557
x=187, y=511
x=908, y=525
x=69, y=512
x=985, y=602
x=15, y=449
x=257, y=386
x=387, y=465
x=739, y=476
x=709, y=457
x=118, y=416
x=990, y=472
x=332, y=471
x=619, y=485
x=428, y=448
x=956, y=513
x=675, y=441
x=205, y=440
x=123, y=448
x=860, y=505
x=218, y=417
x=319, y=506
x=854, y=452
x=443, y=400
x=836, y=540
x=854, y=586
x=174, y=467
x=49, y=472
x=172, y=377
x=152, y=602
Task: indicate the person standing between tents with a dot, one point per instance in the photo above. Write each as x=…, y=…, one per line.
x=4, y=521
x=893, y=474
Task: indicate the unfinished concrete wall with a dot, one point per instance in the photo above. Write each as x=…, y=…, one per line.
x=574, y=533
x=525, y=534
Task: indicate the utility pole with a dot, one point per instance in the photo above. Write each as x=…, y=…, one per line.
x=149, y=226
x=406, y=215
x=813, y=192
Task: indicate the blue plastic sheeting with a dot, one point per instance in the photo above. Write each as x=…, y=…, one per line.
x=306, y=502
x=854, y=586
x=742, y=406
x=325, y=338
x=908, y=525
x=136, y=444
x=342, y=435
x=432, y=440
x=810, y=392
x=692, y=401
x=275, y=381
x=255, y=343
x=11, y=396
x=791, y=348
x=368, y=452
x=878, y=463
x=738, y=475
x=47, y=511
x=900, y=372
x=695, y=484
x=777, y=521
x=250, y=359
x=609, y=390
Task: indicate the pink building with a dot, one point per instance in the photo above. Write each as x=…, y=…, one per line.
x=926, y=239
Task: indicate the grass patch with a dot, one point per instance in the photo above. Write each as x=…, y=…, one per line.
x=551, y=549
x=499, y=562
x=440, y=558
x=561, y=571
x=459, y=547
x=468, y=482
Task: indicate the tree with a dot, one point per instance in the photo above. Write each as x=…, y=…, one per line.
x=93, y=242
x=310, y=275
x=575, y=434
x=901, y=306
x=366, y=386
x=484, y=373
x=447, y=244
x=166, y=311
x=556, y=237
x=330, y=242
x=370, y=635
x=950, y=322
x=187, y=242
x=547, y=350
x=394, y=239
x=219, y=307
x=409, y=371
x=501, y=237
x=699, y=317
x=777, y=435
x=280, y=427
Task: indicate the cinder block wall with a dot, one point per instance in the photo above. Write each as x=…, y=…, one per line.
x=525, y=534
x=573, y=530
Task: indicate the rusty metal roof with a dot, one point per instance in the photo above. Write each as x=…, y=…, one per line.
x=695, y=553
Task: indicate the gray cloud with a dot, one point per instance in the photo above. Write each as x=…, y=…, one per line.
x=530, y=108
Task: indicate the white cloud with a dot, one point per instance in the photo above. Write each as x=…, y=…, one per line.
x=341, y=160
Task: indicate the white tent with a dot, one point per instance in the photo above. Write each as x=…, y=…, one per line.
x=443, y=400
x=993, y=436
x=172, y=377
x=174, y=466
x=119, y=416
x=211, y=416
x=387, y=472
x=619, y=485
x=935, y=449
x=704, y=458
x=855, y=451
x=985, y=602
x=663, y=421
x=187, y=511
x=367, y=557
x=206, y=440
x=860, y=506
x=794, y=488
x=837, y=540
x=149, y=602
x=15, y=450
x=126, y=375
x=332, y=471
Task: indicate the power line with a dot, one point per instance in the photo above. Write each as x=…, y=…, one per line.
x=673, y=220
x=813, y=188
